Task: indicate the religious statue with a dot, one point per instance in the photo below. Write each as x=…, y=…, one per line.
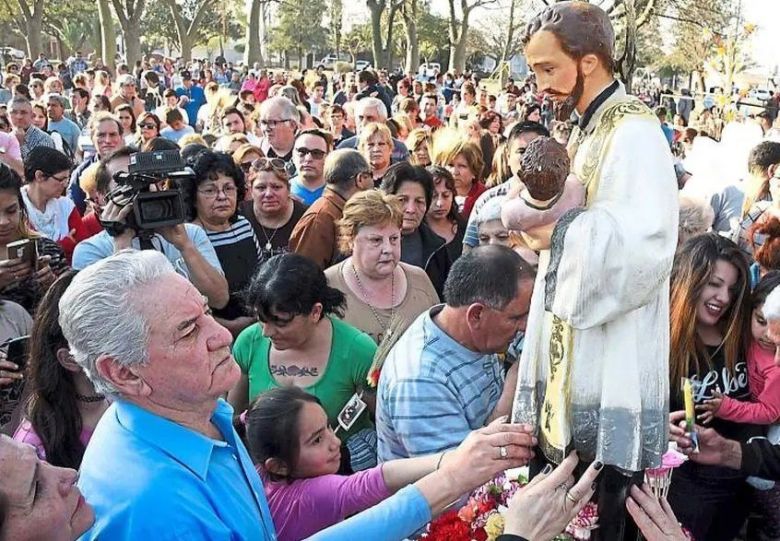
x=593, y=374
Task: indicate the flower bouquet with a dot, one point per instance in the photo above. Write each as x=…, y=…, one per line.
x=482, y=517
x=660, y=478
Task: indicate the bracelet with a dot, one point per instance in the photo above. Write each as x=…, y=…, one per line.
x=438, y=463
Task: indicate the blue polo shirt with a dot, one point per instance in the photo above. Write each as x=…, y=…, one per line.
x=150, y=478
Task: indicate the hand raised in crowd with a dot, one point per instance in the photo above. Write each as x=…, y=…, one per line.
x=489, y=450
x=176, y=235
x=551, y=500
x=44, y=275
x=654, y=518
x=118, y=212
x=13, y=271
x=710, y=408
x=714, y=449
x=9, y=372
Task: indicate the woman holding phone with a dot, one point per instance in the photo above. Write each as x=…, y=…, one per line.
x=24, y=280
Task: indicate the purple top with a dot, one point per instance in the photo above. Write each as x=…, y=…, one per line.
x=306, y=506
x=25, y=433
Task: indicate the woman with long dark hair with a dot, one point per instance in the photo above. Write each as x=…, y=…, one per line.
x=709, y=319
x=62, y=408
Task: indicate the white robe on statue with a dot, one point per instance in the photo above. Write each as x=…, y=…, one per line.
x=594, y=370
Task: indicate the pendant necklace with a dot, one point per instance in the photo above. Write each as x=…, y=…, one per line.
x=267, y=239
x=364, y=293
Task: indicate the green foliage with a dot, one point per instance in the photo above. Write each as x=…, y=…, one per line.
x=299, y=27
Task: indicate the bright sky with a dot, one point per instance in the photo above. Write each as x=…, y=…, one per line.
x=764, y=13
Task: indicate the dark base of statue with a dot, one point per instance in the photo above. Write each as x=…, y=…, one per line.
x=612, y=489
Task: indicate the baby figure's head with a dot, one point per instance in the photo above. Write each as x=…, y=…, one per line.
x=544, y=168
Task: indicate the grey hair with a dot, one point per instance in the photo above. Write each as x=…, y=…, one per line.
x=99, y=316
x=696, y=217
x=342, y=165
x=489, y=275
x=289, y=110
x=771, y=308
x=55, y=96
x=371, y=103
x=490, y=211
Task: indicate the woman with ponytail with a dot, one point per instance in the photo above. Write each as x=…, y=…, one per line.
x=62, y=409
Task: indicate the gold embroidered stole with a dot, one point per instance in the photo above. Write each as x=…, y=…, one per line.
x=555, y=434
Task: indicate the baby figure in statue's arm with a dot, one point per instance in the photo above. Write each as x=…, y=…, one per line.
x=547, y=192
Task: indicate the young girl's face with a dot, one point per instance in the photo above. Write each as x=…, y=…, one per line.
x=319, y=449
x=759, y=328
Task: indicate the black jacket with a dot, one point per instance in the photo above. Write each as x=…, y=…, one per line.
x=761, y=458
x=436, y=257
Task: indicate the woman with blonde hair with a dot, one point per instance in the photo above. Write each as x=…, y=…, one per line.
x=375, y=143
x=102, y=84
x=499, y=172
x=379, y=287
x=419, y=143
x=244, y=156
x=463, y=159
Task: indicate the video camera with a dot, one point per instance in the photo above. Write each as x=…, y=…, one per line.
x=152, y=209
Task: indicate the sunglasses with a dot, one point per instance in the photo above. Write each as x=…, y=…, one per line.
x=316, y=153
x=245, y=166
x=267, y=164
x=148, y=126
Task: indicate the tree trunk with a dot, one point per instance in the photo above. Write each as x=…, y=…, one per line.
x=389, y=43
x=33, y=38
x=253, y=52
x=458, y=44
x=107, y=35
x=627, y=62
x=132, y=35
x=376, y=31
x=412, y=43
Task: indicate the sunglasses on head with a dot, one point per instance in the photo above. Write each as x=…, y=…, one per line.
x=267, y=164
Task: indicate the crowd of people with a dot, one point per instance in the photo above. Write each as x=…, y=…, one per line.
x=326, y=345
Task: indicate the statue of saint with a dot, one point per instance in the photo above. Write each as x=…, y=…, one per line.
x=593, y=374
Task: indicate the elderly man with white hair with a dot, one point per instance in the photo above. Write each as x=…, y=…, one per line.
x=165, y=463
x=370, y=110
x=278, y=122
x=759, y=457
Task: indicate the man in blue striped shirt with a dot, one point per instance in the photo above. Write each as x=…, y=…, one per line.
x=444, y=378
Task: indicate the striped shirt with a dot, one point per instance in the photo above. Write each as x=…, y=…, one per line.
x=433, y=392
x=239, y=253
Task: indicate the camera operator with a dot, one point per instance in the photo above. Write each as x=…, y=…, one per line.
x=185, y=245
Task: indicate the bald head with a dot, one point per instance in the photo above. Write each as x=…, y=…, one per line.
x=581, y=28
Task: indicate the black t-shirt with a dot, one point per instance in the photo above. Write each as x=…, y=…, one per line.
x=732, y=383
x=273, y=241
x=238, y=253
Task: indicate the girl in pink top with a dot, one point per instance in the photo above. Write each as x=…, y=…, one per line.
x=297, y=454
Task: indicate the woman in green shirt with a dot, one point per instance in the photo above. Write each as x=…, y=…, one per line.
x=297, y=342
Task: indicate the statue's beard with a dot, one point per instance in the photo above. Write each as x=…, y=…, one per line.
x=563, y=109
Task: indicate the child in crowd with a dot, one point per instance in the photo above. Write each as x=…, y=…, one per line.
x=764, y=405
x=297, y=454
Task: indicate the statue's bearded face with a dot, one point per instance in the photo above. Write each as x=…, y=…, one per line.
x=557, y=74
